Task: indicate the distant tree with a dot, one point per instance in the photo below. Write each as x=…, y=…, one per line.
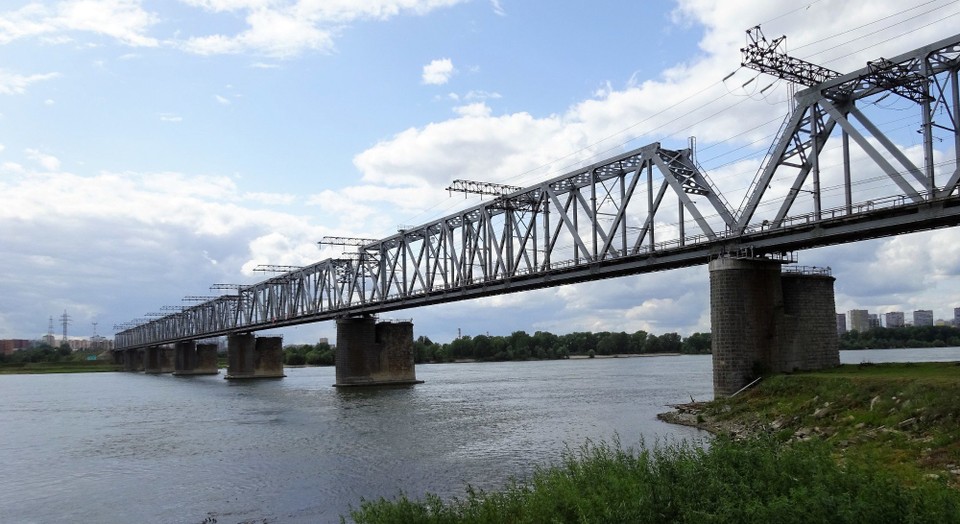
x=670, y=343
x=637, y=341
x=697, y=343
x=520, y=345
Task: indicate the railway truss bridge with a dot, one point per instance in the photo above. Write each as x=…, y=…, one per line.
x=832, y=175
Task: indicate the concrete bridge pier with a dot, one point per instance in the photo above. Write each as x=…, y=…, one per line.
x=249, y=356
x=133, y=360
x=158, y=359
x=195, y=359
x=371, y=353
x=764, y=320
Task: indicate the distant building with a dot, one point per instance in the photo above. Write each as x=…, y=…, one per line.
x=923, y=317
x=841, y=323
x=13, y=344
x=859, y=320
x=894, y=319
x=956, y=316
x=873, y=320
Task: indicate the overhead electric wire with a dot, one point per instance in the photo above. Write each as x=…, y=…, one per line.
x=878, y=20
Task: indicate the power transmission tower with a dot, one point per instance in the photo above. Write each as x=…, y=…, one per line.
x=65, y=320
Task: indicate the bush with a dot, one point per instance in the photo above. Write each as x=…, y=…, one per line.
x=294, y=359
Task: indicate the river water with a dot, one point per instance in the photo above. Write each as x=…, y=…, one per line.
x=125, y=447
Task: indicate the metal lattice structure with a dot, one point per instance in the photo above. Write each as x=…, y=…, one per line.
x=630, y=213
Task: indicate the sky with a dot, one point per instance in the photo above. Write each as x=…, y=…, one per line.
x=150, y=149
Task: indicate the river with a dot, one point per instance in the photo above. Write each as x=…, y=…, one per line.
x=126, y=447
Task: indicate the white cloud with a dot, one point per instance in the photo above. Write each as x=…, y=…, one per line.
x=283, y=29
x=438, y=72
x=15, y=84
x=170, y=117
x=123, y=20
x=497, y=8
x=482, y=95
x=275, y=28
x=271, y=199
x=477, y=110
x=229, y=5
x=48, y=162
x=275, y=33
x=221, y=100
x=100, y=236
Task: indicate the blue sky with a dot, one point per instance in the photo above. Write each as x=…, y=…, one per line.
x=149, y=149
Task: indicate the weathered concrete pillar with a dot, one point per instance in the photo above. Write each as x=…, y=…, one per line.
x=808, y=339
x=151, y=360
x=745, y=299
x=185, y=357
x=252, y=357
x=117, y=357
x=762, y=321
x=195, y=359
x=158, y=359
x=133, y=360
x=371, y=353
x=206, y=363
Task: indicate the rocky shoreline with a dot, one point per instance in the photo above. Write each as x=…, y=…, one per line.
x=906, y=415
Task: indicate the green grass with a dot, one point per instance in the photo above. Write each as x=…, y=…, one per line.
x=756, y=480
x=867, y=443
x=81, y=366
x=904, y=415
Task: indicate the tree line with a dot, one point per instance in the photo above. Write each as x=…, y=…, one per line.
x=901, y=337
x=47, y=353
x=521, y=345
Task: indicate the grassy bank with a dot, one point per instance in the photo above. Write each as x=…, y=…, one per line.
x=876, y=443
x=82, y=366
x=756, y=480
x=906, y=416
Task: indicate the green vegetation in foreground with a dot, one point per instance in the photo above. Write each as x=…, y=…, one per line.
x=906, y=416
x=755, y=480
x=867, y=443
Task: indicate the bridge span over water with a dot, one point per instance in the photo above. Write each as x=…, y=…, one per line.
x=832, y=175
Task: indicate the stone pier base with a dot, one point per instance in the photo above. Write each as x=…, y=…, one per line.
x=254, y=357
x=133, y=360
x=766, y=321
x=158, y=359
x=195, y=359
x=371, y=353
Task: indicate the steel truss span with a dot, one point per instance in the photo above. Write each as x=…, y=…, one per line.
x=630, y=214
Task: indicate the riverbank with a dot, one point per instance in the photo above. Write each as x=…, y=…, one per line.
x=80, y=366
x=906, y=416
x=861, y=443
